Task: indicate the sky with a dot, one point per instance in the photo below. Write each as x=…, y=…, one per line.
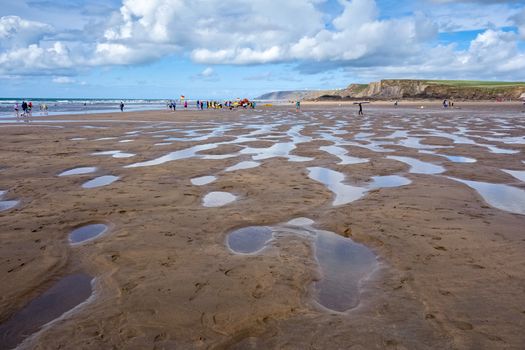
x=243, y=48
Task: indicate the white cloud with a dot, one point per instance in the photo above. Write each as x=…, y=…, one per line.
x=491, y=55
x=238, y=32
x=260, y=32
x=17, y=32
x=208, y=72
x=63, y=80
x=35, y=59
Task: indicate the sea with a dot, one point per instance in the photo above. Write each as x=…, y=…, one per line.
x=58, y=106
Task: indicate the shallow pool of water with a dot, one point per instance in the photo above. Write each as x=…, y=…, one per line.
x=78, y=171
x=504, y=197
x=249, y=240
x=518, y=174
x=177, y=155
x=389, y=181
x=87, y=233
x=455, y=159
x=6, y=205
x=243, y=165
x=218, y=199
x=342, y=154
x=498, y=150
x=63, y=296
x=100, y=181
x=419, y=167
x=333, y=180
x=203, y=180
x=344, y=264
x=114, y=154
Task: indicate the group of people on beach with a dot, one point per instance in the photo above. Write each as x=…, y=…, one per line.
x=447, y=103
x=201, y=105
x=26, y=109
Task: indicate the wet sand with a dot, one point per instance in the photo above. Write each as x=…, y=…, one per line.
x=451, y=265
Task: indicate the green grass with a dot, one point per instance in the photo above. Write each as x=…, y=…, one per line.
x=476, y=83
x=360, y=87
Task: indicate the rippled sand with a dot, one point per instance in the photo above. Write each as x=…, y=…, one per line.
x=451, y=264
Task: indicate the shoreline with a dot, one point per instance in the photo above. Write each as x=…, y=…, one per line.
x=414, y=103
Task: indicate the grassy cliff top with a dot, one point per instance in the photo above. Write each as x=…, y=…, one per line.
x=476, y=83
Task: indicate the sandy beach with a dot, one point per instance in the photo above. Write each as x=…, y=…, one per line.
x=436, y=195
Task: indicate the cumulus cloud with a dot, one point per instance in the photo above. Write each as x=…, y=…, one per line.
x=238, y=32
x=16, y=32
x=267, y=31
x=35, y=59
x=493, y=54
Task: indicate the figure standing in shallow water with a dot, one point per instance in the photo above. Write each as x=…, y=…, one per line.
x=360, y=108
x=297, y=106
x=121, y=106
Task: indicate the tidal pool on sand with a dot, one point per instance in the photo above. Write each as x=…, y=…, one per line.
x=86, y=233
x=344, y=264
x=203, y=180
x=504, y=197
x=63, y=296
x=243, y=166
x=218, y=199
x=333, y=180
x=518, y=174
x=78, y=171
x=249, y=240
x=419, y=167
x=114, y=154
x=389, y=181
x=100, y=181
x=6, y=205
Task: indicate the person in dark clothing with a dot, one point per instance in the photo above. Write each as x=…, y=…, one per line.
x=121, y=106
x=360, y=109
x=24, y=107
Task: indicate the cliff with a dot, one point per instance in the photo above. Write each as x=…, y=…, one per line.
x=428, y=89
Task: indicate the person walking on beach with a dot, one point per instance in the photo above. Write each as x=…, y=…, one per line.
x=297, y=106
x=185, y=104
x=360, y=108
x=17, y=112
x=122, y=106
x=24, y=108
